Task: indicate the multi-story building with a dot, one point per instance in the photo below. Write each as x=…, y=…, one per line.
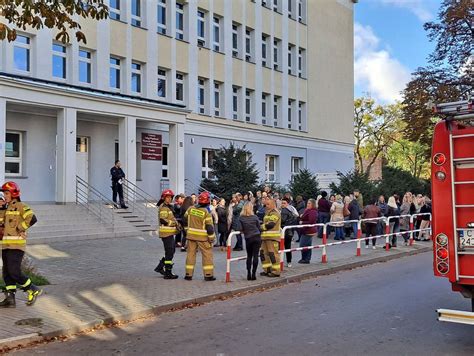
x=162, y=84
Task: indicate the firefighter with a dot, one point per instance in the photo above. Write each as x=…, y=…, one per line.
x=200, y=234
x=270, y=240
x=169, y=227
x=18, y=218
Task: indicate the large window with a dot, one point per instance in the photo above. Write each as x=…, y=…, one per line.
x=235, y=40
x=202, y=95
x=276, y=5
x=59, y=61
x=179, y=87
x=201, y=28
x=85, y=66
x=301, y=63
x=115, y=73
x=13, y=153
x=216, y=41
x=265, y=50
x=248, y=104
x=276, y=110
x=248, y=45
x=290, y=59
x=136, y=77
x=301, y=116
x=290, y=112
x=276, y=53
x=296, y=165
x=207, y=160
x=265, y=97
x=136, y=13
x=161, y=16
x=114, y=9
x=302, y=11
x=217, y=99
x=21, y=53
x=162, y=76
x=271, y=168
x=235, y=102
x=179, y=21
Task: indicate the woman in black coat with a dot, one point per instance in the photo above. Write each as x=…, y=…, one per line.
x=222, y=222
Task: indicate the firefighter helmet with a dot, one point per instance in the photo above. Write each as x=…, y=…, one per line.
x=167, y=193
x=13, y=188
x=204, y=198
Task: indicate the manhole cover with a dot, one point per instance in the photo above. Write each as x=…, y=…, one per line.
x=30, y=322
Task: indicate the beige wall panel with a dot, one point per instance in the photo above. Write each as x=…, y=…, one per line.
x=203, y=62
x=277, y=87
x=118, y=36
x=89, y=28
x=203, y=4
x=266, y=80
x=303, y=35
x=277, y=24
x=182, y=56
x=139, y=44
x=303, y=89
x=250, y=14
x=250, y=69
x=237, y=10
x=164, y=52
x=266, y=20
x=292, y=91
x=330, y=71
x=237, y=76
x=218, y=6
x=219, y=67
x=292, y=28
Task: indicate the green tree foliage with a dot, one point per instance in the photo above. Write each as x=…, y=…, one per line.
x=58, y=14
x=305, y=184
x=234, y=172
x=354, y=180
x=409, y=156
x=398, y=181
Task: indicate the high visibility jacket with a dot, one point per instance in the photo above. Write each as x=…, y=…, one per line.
x=17, y=219
x=272, y=233
x=199, y=224
x=168, y=223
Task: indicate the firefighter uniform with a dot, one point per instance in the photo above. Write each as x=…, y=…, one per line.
x=270, y=243
x=200, y=235
x=17, y=219
x=168, y=228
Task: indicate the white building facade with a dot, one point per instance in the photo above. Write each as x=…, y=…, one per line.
x=162, y=84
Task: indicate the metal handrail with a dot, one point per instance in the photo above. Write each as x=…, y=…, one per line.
x=199, y=188
x=140, y=202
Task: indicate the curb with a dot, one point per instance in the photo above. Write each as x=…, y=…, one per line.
x=28, y=339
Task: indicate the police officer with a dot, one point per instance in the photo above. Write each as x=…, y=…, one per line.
x=17, y=219
x=270, y=240
x=200, y=234
x=117, y=176
x=168, y=228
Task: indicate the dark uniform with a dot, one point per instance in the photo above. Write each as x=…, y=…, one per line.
x=117, y=175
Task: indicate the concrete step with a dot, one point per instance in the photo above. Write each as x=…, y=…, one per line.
x=71, y=238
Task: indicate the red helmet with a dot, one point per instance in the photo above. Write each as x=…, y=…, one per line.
x=13, y=188
x=204, y=198
x=167, y=193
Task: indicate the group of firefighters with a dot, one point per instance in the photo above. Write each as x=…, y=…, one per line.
x=200, y=234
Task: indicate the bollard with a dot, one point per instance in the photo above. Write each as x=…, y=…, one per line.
x=359, y=235
x=324, y=258
x=282, y=247
x=412, y=227
x=387, y=235
x=227, y=274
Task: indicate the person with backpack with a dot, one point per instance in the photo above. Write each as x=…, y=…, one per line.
x=289, y=217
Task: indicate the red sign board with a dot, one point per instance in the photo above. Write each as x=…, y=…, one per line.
x=151, y=146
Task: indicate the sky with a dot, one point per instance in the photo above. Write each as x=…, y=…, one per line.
x=389, y=44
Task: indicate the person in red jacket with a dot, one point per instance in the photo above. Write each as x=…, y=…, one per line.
x=310, y=216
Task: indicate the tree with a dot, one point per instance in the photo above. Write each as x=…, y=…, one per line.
x=234, y=172
x=304, y=183
x=409, y=156
x=57, y=14
x=396, y=180
x=354, y=180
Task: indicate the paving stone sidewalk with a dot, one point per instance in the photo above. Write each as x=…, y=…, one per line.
x=100, y=281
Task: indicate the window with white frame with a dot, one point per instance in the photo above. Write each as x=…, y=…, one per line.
x=136, y=13
x=276, y=5
x=266, y=3
x=276, y=53
x=85, y=66
x=207, y=161
x=161, y=16
x=248, y=105
x=136, y=83
x=248, y=45
x=290, y=111
x=179, y=87
x=13, y=153
x=276, y=110
x=162, y=77
x=59, y=61
x=235, y=40
x=301, y=116
x=164, y=162
x=114, y=73
x=179, y=21
x=216, y=29
x=217, y=98
x=21, y=53
x=296, y=165
x=265, y=97
x=301, y=63
x=264, y=50
x=302, y=11
x=202, y=95
x=271, y=168
x=114, y=9
x=235, y=102
x=290, y=8
x=201, y=28
x=290, y=59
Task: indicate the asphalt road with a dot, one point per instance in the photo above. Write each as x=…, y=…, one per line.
x=383, y=309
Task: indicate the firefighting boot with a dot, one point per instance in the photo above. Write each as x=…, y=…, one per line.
x=9, y=301
x=33, y=292
x=161, y=266
x=210, y=278
x=169, y=272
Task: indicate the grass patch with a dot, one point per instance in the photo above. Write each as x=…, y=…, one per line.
x=30, y=271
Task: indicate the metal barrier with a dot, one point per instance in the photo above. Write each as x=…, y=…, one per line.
x=412, y=224
x=229, y=254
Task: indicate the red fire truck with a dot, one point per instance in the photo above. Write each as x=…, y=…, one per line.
x=452, y=178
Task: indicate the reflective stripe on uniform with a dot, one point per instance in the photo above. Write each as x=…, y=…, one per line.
x=27, y=283
x=270, y=234
x=168, y=229
x=10, y=287
x=276, y=266
x=266, y=265
x=198, y=232
x=13, y=240
x=28, y=213
x=25, y=225
x=16, y=213
x=207, y=268
x=168, y=262
x=189, y=267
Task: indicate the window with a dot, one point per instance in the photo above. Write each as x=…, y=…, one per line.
x=207, y=160
x=264, y=49
x=59, y=61
x=161, y=15
x=13, y=153
x=136, y=13
x=114, y=73
x=248, y=105
x=265, y=3
x=301, y=63
x=114, y=9
x=201, y=95
x=290, y=59
x=136, y=77
x=21, y=53
x=290, y=8
x=85, y=66
x=264, y=108
x=290, y=113
x=301, y=11
x=164, y=162
x=201, y=28
x=235, y=40
x=179, y=21
x=235, y=102
x=217, y=34
x=270, y=168
x=179, y=87
x=162, y=82
x=296, y=165
x=301, y=116
x=217, y=97
x=276, y=110
x=248, y=44
x=276, y=54
x=276, y=5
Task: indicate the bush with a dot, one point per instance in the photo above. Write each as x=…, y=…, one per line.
x=396, y=180
x=30, y=271
x=305, y=184
x=355, y=181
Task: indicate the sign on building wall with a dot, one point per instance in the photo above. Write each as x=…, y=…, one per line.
x=151, y=146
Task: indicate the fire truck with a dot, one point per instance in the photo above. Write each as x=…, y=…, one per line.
x=452, y=179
